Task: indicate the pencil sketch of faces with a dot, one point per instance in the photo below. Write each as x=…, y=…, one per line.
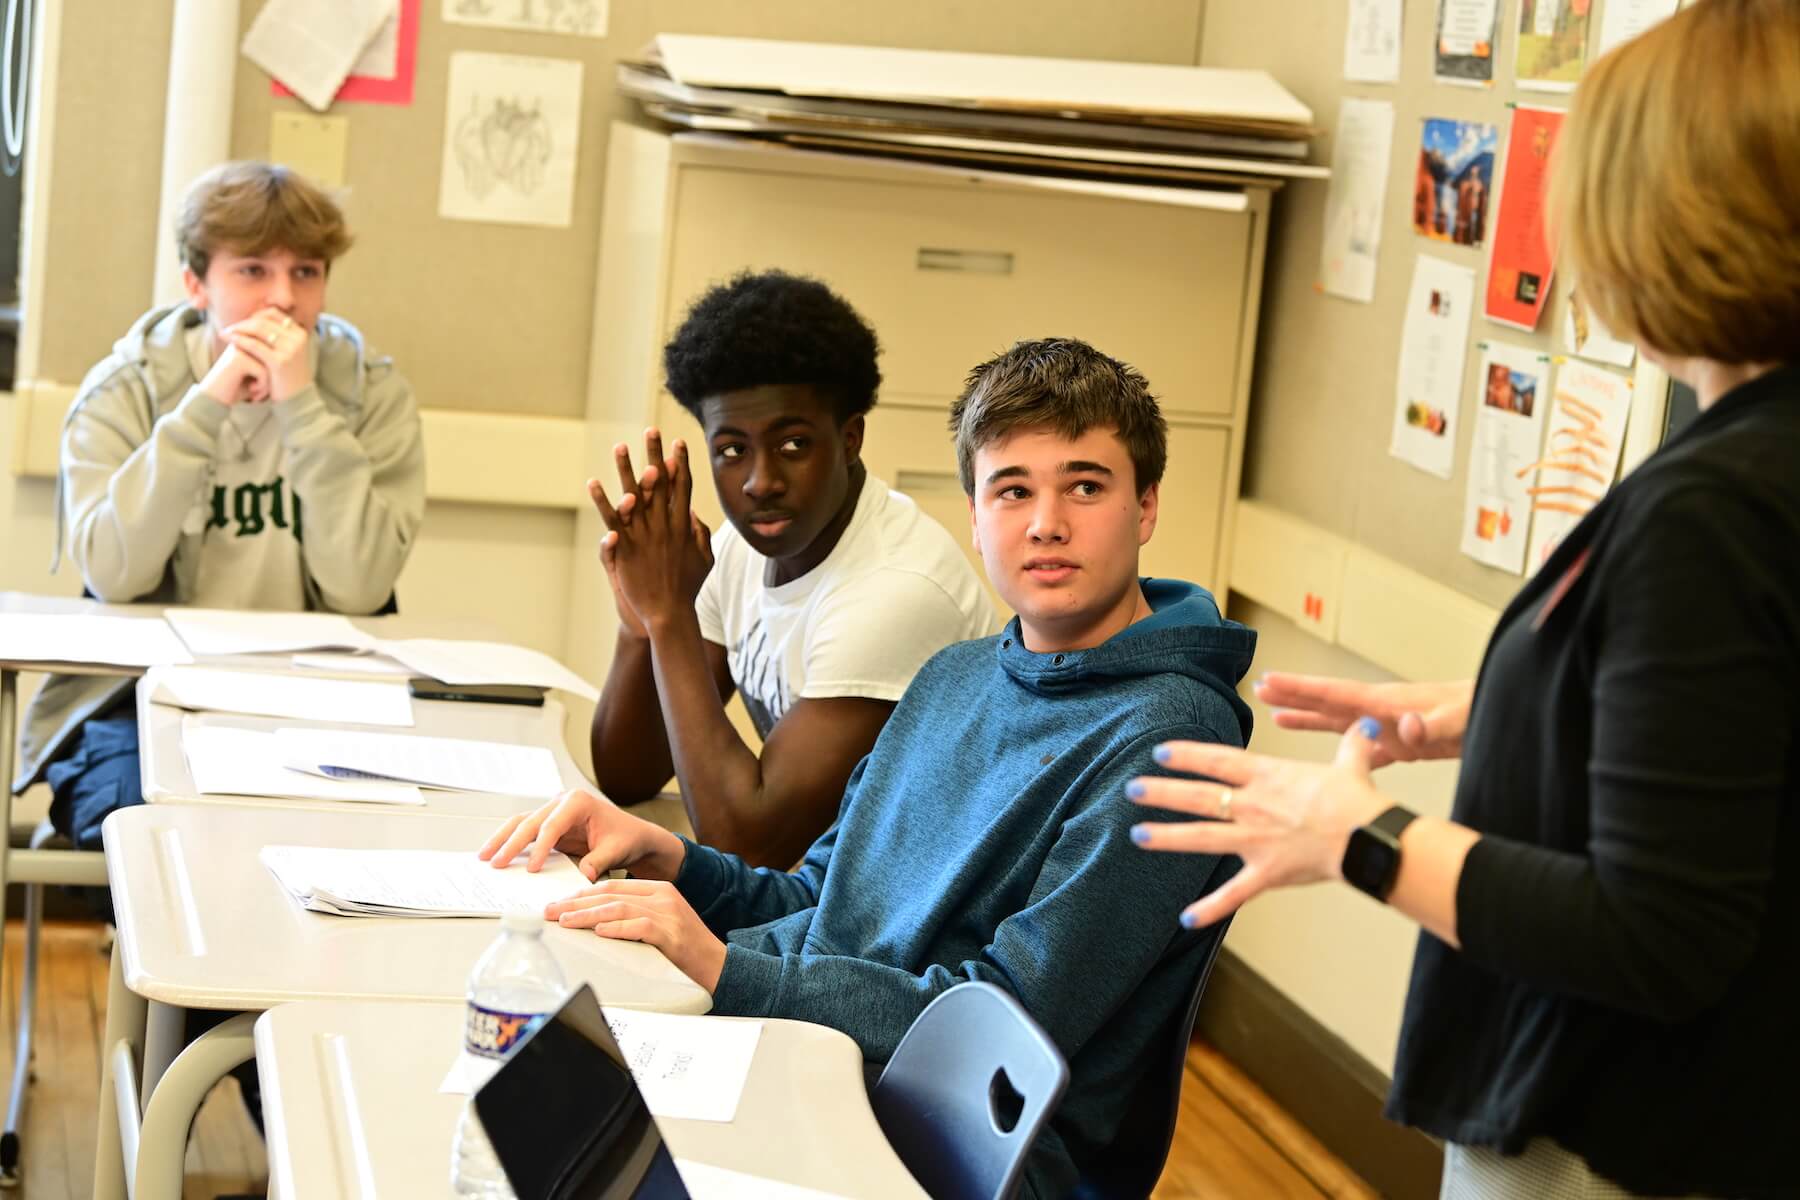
x=561, y=16
x=507, y=143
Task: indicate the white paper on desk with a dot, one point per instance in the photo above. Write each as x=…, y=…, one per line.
x=1372, y=42
x=1581, y=454
x=1514, y=386
x=454, y=764
x=89, y=638
x=1353, y=207
x=224, y=761
x=346, y=663
x=270, y=694
x=1622, y=20
x=451, y=661
x=693, y=1068
x=416, y=883
x=707, y=1182
x=1428, y=391
x=234, y=631
x=311, y=45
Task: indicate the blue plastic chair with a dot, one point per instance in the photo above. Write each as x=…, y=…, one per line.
x=966, y=1092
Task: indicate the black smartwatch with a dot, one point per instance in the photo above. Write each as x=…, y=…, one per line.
x=1372, y=859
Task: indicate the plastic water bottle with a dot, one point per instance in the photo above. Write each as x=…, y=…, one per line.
x=514, y=988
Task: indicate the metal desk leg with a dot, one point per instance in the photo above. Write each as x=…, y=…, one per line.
x=162, y=1148
x=126, y=1014
x=165, y=1033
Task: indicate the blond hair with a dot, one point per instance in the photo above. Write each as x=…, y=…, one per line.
x=1676, y=192
x=251, y=208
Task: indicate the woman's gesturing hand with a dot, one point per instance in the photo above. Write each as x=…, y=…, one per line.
x=1289, y=821
x=1417, y=720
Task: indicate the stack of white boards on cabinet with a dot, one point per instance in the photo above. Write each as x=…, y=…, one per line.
x=1123, y=122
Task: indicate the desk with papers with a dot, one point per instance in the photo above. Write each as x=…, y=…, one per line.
x=353, y=1108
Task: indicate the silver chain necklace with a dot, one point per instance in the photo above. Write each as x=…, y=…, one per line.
x=244, y=439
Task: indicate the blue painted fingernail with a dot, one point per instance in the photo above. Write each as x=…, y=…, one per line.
x=1163, y=754
x=1369, y=727
x=1189, y=920
x=1135, y=789
x=1140, y=834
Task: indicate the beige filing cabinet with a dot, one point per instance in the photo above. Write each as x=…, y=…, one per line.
x=950, y=266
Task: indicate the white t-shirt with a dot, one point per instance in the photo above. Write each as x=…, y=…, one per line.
x=250, y=557
x=893, y=592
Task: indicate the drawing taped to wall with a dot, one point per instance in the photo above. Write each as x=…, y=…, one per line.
x=512, y=132
x=585, y=18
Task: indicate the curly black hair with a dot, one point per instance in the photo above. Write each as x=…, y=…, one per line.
x=769, y=327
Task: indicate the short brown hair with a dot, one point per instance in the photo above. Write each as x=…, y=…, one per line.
x=1065, y=386
x=253, y=207
x=1676, y=193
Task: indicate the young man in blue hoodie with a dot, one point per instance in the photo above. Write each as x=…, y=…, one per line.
x=987, y=834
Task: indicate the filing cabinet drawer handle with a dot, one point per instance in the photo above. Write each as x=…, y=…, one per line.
x=972, y=262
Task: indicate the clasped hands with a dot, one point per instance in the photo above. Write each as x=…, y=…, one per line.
x=656, y=551
x=265, y=358
x=645, y=908
x=1290, y=821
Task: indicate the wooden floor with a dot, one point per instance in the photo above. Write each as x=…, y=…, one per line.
x=1231, y=1140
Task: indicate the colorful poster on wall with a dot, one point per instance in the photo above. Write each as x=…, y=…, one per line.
x=512, y=129
x=1509, y=429
x=1466, y=31
x=1581, y=456
x=1553, y=37
x=1353, y=207
x=385, y=72
x=1622, y=20
x=1372, y=42
x=1521, y=263
x=1428, y=389
x=1454, y=182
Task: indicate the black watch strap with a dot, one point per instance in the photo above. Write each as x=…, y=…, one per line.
x=1372, y=857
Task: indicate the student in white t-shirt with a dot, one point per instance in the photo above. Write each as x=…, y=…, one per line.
x=817, y=603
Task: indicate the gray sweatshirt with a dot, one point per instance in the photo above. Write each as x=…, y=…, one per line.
x=138, y=449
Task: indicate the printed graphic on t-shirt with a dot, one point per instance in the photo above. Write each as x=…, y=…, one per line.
x=757, y=669
x=250, y=508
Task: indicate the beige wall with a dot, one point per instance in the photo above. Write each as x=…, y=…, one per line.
x=1323, y=399
x=1337, y=954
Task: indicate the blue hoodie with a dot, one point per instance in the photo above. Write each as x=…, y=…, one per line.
x=986, y=837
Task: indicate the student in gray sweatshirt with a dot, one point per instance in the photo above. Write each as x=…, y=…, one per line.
x=242, y=449
x=986, y=836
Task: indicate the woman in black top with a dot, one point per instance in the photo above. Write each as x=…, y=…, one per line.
x=1608, y=983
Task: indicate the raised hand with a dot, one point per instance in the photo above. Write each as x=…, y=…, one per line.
x=656, y=551
x=1417, y=720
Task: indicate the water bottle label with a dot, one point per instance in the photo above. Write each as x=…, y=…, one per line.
x=495, y=1033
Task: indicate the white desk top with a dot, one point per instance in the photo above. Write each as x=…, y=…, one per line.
x=164, y=774
x=352, y=1109
x=202, y=924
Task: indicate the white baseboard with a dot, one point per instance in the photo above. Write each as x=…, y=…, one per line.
x=470, y=457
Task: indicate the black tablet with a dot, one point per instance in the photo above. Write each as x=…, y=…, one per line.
x=567, y=1120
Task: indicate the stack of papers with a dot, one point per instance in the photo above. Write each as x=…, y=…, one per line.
x=415, y=883
x=230, y=631
x=267, y=694
x=450, y=661
x=454, y=764
x=89, y=639
x=1117, y=121
x=247, y=762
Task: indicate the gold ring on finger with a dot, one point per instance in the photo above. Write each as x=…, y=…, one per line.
x=1224, y=804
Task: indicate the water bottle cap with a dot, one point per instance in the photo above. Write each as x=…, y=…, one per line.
x=523, y=922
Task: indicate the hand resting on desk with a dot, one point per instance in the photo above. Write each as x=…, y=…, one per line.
x=601, y=837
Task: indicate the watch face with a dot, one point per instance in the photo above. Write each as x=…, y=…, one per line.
x=1371, y=860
